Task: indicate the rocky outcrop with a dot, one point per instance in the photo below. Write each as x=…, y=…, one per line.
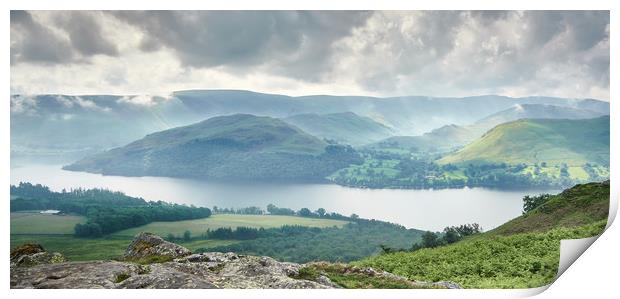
x=28, y=255
x=205, y=271
x=179, y=269
x=147, y=245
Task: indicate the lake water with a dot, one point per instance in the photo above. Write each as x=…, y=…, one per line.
x=422, y=209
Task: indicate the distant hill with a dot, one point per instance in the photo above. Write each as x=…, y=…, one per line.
x=345, y=127
x=439, y=140
x=76, y=125
x=529, y=141
x=239, y=146
x=448, y=137
x=533, y=111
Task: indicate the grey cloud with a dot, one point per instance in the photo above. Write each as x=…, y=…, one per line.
x=386, y=52
x=85, y=33
x=32, y=41
x=296, y=43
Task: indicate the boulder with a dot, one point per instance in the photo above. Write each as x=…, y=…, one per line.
x=151, y=246
x=31, y=254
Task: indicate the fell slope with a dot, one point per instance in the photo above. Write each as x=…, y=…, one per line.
x=522, y=253
x=239, y=146
x=530, y=141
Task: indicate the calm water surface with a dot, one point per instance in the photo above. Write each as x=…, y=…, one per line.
x=422, y=209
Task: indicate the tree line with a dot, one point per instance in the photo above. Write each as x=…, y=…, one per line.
x=106, y=211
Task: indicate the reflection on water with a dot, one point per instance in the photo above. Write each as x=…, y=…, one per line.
x=422, y=209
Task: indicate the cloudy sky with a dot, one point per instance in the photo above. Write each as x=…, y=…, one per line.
x=436, y=53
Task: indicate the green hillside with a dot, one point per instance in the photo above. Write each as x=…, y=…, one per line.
x=522, y=253
x=531, y=141
x=239, y=146
x=346, y=127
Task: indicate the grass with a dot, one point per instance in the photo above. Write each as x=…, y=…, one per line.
x=517, y=261
x=522, y=253
x=200, y=226
x=36, y=223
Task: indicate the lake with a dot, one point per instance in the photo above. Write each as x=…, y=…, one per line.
x=421, y=209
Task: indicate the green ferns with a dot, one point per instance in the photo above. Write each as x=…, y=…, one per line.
x=517, y=261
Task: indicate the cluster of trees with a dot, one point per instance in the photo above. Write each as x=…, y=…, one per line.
x=240, y=211
x=450, y=235
x=105, y=211
x=422, y=172
x=305, y=212
x=110, y=219
x=350, y=242
x=250, y=233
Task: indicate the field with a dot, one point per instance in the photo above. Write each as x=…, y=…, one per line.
x=55, y=232
x=199, y=226
x=36, y=223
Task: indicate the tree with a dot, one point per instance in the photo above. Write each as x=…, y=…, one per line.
x=355, y=216
x=187, y=236
x=451, y=235
x=532, y=202
x=304, y=212
x=321, y=212
x=429, y=240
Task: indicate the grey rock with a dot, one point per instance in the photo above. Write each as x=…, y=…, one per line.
x=148, y=245
x=33, y=254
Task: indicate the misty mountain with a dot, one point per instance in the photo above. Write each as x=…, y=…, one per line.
x=532, y=111
x=441, y=139
x=345, y=127
x=96, y=122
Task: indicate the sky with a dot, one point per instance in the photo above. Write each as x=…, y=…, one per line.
x=376, y=53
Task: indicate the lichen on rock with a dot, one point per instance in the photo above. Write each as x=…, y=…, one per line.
x=147, y=246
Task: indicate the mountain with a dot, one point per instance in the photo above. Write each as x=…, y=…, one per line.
x=345, y=127
x=438, y=140
x=239, y=146
x=530, y=141
x=77, y=125
x=535, y=111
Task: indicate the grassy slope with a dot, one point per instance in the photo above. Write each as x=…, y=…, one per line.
x=199, y=226
x=344, y=127
x=574, y=142
x=522, y=253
